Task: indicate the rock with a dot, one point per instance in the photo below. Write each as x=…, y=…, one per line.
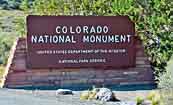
x=105, y=94
x=64, y=92
x=146, y=102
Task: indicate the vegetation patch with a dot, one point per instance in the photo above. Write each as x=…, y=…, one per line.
x=2, y=71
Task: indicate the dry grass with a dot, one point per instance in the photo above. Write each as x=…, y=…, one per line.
x=2, y=71
x=167, y=96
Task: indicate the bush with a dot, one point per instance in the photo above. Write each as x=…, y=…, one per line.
x=153, y=98
x=5, y=46
x=9, y=22
x=10, y=4
x=13, y=4
x=139, y=100
x=166, y=84
x=166, y=96
x=2, y=69
x=166, y=79
x=88, y=95
x=153, y=25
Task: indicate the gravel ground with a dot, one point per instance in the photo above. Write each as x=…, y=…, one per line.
x=28, y=97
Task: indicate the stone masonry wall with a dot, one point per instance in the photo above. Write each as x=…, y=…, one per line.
x=20, y=76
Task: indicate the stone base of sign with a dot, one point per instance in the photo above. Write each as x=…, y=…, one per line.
x=20, y=76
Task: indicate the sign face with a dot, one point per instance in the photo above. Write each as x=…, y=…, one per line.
x=80, y=42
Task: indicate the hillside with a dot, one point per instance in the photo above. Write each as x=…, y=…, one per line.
x=8, y=30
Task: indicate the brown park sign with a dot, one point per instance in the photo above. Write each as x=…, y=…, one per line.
x=80, y=42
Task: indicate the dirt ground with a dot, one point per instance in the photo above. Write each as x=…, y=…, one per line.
x=38, y=97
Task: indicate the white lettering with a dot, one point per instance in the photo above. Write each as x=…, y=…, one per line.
x=58, y=29
x=34, y=39
x=105, y=29
x=64, y=29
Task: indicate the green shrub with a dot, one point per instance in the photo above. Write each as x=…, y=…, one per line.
x=9, y=25
x=10, y=4
x=5, y=46
x=153, y=24
x=153, y=97
x=139, y=100
x=13, y=4
x=20, y=26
